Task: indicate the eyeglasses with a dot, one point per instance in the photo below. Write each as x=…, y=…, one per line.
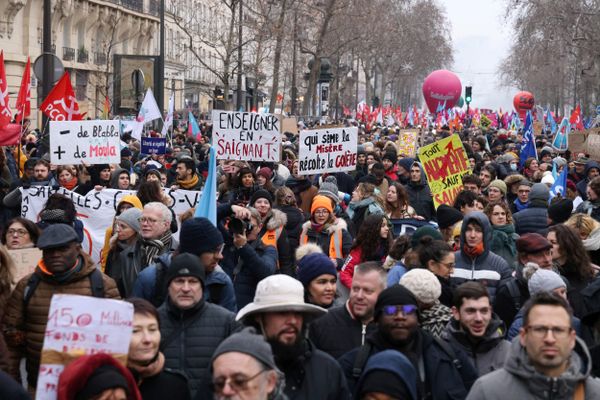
x=447, y=265
x=321, y=212
x=541, y=331
x=406, y=310
x=150, y=221
x=238, y=382
x=17, y=232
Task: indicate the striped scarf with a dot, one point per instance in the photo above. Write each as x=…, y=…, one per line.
x=154, y=247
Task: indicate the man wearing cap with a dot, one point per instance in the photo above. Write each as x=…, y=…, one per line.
x=512, y=294
x=191, y=328
x=281, y=315
x=440, y=369
x=534, y=218
x=578, y=172
x=244, y=365
x=64, y=268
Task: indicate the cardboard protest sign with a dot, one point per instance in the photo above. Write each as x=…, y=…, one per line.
x=78, y=326
x=97, y=209
x=246, y=136
x=94, y=141
x=289, y=125
x=407, y=143
x=327, y=150
x=444, y=162
x=25, y=261
x=154, y=145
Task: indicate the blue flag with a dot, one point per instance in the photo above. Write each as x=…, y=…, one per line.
x=194, y=124
x=550, y=120
x=528, y=144
x=561, y=139
x=554, y=172
x=207, y=206
x=560, y=185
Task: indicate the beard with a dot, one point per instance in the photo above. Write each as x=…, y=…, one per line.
x=286, y=354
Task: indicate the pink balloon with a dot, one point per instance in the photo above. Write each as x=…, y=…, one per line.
x=441, y=86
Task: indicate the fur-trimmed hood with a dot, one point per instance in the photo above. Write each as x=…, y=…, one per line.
x=338, y=225
x=306, y=249
x=276, y=220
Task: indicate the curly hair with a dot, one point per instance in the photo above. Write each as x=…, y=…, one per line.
x=489, y=210
x=398, y=209
x=577, y=259
x=369, y=190
x=369, y=238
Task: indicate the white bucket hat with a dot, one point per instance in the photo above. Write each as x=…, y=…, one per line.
x=279, y=293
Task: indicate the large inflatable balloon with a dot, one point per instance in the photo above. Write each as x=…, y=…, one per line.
x=441, y=87
x=523, y=102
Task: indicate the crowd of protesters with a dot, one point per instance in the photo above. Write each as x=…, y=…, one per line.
x=342, y=285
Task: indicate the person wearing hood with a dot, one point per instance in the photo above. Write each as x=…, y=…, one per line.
x=592, y=170
x=128, y=201
x=120, y=179
x=403, y=172
x=475, y=261
x=535, y=217
x=475, y=329
x=285, y=201
x=591, y=205
x=419, y=194
x=546, y=361
x=389, y=373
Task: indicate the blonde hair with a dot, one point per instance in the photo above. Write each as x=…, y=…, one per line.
x=583, y=224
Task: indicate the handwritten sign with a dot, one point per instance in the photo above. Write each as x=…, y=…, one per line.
x=94, y=141
x=78, y=326
x=407, y=143
x=445, y=162
x=152, y=145
x=97, y=209
x=246, y=136
x=327, y=150
x=25, y=261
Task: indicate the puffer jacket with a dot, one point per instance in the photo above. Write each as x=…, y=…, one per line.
x=533, y=219
x=24, y=329
x=486, y=354
x=519, y=380
x=488, y=268
x=323, y=239
x=277, y=220
x=198, y=331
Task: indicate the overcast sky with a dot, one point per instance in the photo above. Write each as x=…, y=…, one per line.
x=481, y=39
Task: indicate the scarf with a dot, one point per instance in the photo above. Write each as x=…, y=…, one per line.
x=146, y=370
x=71, y=184
x=154, y=247
x=474, y=252
x=316, y=227
x=353, y=207
x=63, y=276
x=520, y=206
x=188, y=184
x=592, y=243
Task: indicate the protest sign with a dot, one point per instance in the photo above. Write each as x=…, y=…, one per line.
x=444, y=162
x=407, y=143
x=97, y=209
x=25, y=261
x=94, y=141
x=289, y=125
x=78, y=326
x=154, y=145
x=246, y=136
x=327, y=150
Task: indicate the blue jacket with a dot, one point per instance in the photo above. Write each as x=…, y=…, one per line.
x=532, y=219
x=395, y=273
x=391, y=361
x=216, y=282
x=518, y=323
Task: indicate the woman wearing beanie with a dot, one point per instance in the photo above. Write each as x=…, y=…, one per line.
x=273, y=232
x=365, y=201
x=318, y=275
x=263, y=179
x=496, y=191
x=127, y=230
x=327, y=231
x=373, y=242
x=437, y=256
x=504, y=237
x=146, y=362
x=396, y=203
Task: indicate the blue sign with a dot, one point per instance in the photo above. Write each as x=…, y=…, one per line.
x=154, y=145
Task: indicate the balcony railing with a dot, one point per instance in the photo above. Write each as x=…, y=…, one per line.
x=68, y=53
x=99, y=58
x=82, y=56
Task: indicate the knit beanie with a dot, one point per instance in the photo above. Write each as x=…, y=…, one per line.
x=544, y=280
x=559, y=162
x=447, y=216
x=425, y=231
x=560, y=211
x=423, y=284
x=249, y=342
x=103, y=378
x=386, y=382
x=390, y=156
x=499, y=184
x=199, y=235
x=329, y=188
x=265, y=172
x=131, y=217
x=547, y=178
x=186, y=264
x=406, y=163
x=313, y=265
x=539, y=191
x=394, y=295
x=320, y=201
x=261, y=194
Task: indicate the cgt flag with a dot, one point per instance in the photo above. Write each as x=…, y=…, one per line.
x=528, y=144
x=61, y=105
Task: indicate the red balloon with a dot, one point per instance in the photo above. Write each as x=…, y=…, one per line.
x=441, y=86
x=523, y=102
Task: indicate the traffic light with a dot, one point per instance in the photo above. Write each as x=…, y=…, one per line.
x=468, y=97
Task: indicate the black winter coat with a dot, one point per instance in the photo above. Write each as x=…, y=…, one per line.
x=197, y=333
x=293, y=226
x=532, y=219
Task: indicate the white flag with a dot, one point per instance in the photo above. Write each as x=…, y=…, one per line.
x=149, y=110
x=169, y=119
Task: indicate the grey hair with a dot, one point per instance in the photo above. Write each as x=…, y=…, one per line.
x=164, y=210
x=369, y=266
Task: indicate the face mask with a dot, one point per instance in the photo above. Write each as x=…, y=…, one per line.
x=513, y=167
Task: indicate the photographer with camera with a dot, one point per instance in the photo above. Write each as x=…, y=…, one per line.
x=246, y=258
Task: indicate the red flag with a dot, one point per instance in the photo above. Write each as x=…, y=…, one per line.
x=5, y=112
x=61, y=105
x=9, y=134
x=24, y=97
x=576, y=119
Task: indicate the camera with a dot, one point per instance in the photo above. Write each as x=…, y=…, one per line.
x=239, y=226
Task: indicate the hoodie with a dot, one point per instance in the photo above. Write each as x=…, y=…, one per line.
x=419, y=196
x=391, y=361
x=488, y=268
x=114, y=177
x=519, y=380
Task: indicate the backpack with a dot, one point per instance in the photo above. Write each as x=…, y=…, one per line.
x=96, y=283
x=514, y=292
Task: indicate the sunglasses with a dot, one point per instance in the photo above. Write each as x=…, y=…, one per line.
x=406, y=310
